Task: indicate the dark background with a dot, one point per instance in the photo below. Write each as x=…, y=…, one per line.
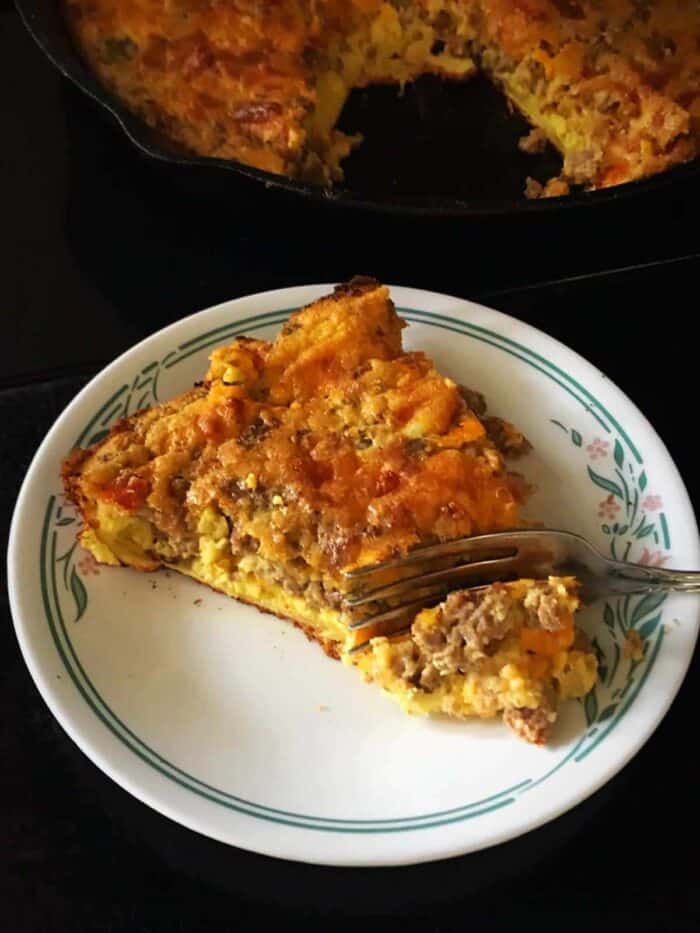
x=101, y=247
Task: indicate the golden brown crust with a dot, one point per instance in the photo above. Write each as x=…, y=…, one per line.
x=614, y=84
x=356, y=286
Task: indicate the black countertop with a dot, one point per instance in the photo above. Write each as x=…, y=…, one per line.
x=101, y=247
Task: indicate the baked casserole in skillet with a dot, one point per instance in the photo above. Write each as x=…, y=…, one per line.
x=614, y=85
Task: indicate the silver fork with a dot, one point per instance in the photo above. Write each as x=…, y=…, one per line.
x=386, y=592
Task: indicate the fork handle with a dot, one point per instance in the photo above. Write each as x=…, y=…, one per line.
x=677, y=581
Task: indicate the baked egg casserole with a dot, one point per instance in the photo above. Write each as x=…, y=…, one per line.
x=614, y=85
x=328, y=449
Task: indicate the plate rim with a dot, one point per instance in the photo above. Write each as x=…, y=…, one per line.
x=283, y=299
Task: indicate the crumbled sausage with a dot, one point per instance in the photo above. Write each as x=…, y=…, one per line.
x=533, y=725
x=547, y=609
x=468, y=627
x=405, y=662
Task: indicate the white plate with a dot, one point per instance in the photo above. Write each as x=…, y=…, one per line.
x=232, y=723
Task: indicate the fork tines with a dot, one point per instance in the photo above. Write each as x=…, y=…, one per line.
x=386, y=591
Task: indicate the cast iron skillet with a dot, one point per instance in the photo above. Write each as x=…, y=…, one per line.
x=420, y=154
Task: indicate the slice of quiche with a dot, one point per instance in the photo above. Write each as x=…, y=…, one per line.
x=296, y=460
